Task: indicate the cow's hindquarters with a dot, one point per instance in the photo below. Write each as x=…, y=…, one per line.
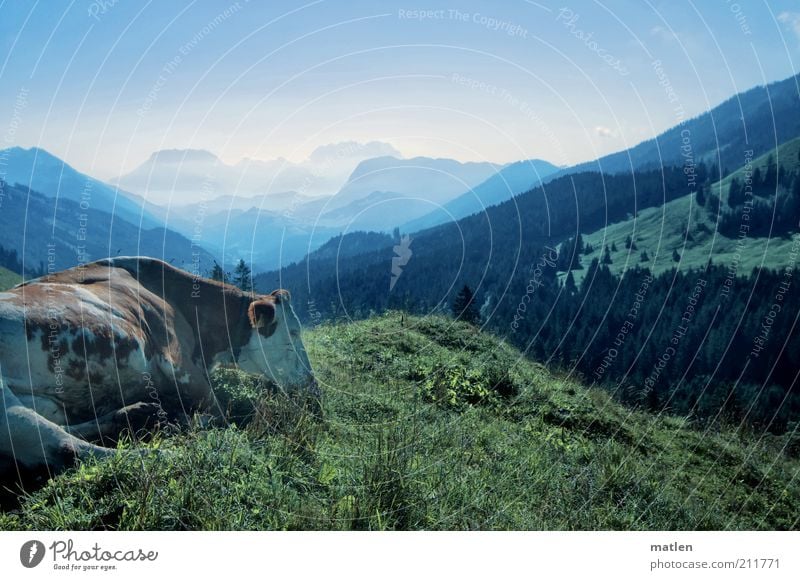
x=34, y=443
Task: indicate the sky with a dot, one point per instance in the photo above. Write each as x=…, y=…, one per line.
x=105, y=83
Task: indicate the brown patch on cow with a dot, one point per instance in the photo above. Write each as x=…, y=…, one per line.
x=262, y=316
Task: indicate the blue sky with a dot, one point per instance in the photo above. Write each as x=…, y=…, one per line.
x=103, y=84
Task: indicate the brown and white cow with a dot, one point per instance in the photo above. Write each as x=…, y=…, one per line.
x=84, y=351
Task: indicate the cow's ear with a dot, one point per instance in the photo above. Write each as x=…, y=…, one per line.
x=262, y=316
x=281, y=295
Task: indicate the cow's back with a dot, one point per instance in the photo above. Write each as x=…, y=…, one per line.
x=82, y=339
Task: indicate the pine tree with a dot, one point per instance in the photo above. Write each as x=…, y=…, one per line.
x=569, y=284
x=676, y=257
x=735, y=194
x=606, y=256
x=579, y=246
x=242, y=277
x=218, y=274
x=643, y=257
x=464, y=306
x=701, y=197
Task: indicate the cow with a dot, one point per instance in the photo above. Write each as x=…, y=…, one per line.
x=89, y=351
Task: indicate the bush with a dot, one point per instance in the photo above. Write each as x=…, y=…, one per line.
x=456, y=386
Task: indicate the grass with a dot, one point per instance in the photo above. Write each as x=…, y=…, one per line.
x=786, y=155
x=429, y=424
x=659, y=231
x=8, y=279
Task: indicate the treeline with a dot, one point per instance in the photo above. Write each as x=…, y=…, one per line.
x=766, y=203
x=9, y=259
x=708, y=344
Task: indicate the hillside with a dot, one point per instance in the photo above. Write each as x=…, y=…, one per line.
x=658, y=231
x=62, y=233
x=8, y=279
x=43, y=172
x=430, y=424
x=785, y=157
x=746, y=121
x=510, y=180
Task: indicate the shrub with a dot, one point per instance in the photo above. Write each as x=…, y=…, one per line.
x=456, y=386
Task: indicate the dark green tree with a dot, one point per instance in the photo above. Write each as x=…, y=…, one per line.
x=569, y=284
x=218, y=274
x=735, y=194
x=242, y=276
x=606, y=256
x=464, y=306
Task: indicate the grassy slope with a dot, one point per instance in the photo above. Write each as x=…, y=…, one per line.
x=660, y=230
x=555, y=455
x=786, y=155
x=8, y=279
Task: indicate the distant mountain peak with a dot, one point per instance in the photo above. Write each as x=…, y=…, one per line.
x=353, y=149
x=183, y=156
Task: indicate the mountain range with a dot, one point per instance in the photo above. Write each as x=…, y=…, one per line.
x=186, y=176
x=43, y=172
